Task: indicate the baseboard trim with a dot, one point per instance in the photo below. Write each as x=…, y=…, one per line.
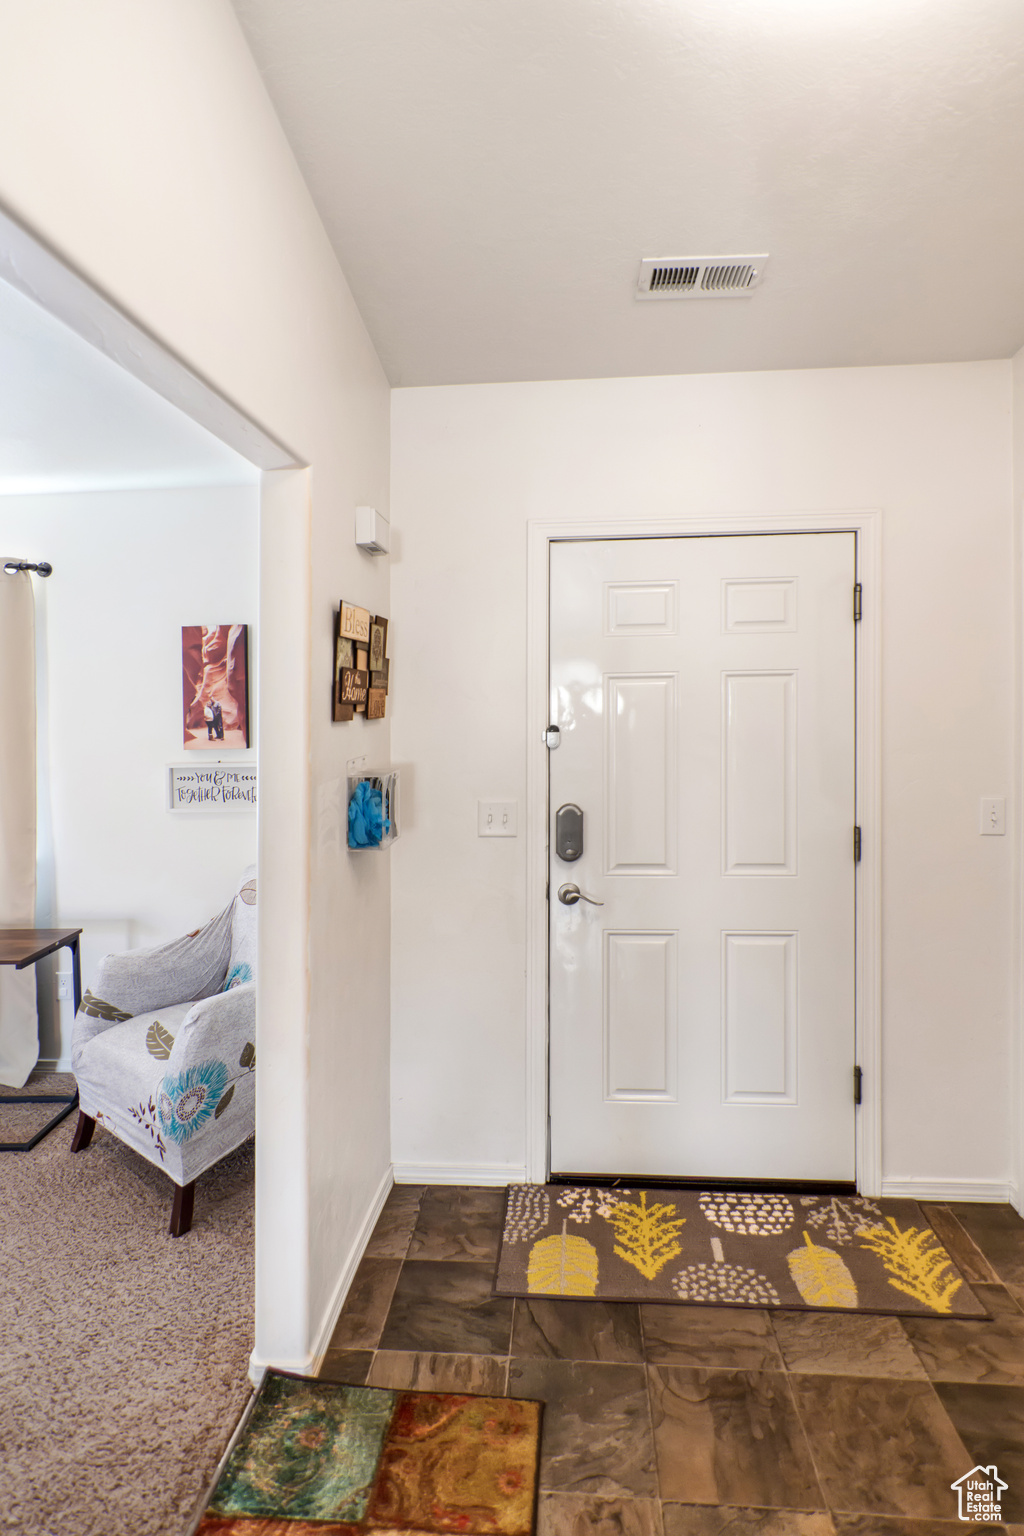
x=63, y=1065
x=309, y=1364
x=949, y=1189
x=259, y=1367
x=460, y=1173
x=348, y=1273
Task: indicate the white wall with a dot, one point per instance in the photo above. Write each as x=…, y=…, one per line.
x=141, y=146
x=930, y=447
x=130, y=568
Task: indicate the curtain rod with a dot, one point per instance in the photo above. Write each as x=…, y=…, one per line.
x=44, y=568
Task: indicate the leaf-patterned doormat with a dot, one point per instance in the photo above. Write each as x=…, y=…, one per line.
x=318, y=1458
x=742, y=1250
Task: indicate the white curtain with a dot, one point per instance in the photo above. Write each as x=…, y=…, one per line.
x=19, y=1028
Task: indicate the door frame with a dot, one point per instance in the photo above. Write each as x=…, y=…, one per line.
x=541, y=534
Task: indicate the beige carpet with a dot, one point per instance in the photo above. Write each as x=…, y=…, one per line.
x=124, y=1352
x=20, y=1122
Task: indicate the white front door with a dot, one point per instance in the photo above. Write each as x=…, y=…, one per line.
x=702, y=1017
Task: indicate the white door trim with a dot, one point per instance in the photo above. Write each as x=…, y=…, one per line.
x=540, y=535
x=27, y=264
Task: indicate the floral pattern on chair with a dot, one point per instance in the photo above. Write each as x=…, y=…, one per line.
x=154, y=1042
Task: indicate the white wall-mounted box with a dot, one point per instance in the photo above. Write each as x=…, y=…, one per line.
x=373, y=531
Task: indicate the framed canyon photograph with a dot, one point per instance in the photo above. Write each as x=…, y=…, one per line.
x=215, y=686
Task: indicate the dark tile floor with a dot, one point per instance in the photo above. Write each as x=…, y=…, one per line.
x=707, y=1421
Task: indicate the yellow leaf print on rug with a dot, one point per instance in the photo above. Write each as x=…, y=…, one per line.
x=646, y=1235
x=918, y=1265
x=562, y=1265
x=821, y=1277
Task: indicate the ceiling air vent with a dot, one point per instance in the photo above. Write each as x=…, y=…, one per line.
x=699, y=277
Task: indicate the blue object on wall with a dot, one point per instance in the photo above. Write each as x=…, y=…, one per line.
x=367, y=824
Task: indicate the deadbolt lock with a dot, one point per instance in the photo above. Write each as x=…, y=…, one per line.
x=568, y=832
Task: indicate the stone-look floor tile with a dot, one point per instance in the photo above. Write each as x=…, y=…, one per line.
x=394, y=1229
x=960, y=1246
x=447, y=1308
x=597, y=1426
x=572, y=1514
x=999, y=1233
x=990, y=1422
x=459, y=1224
x=730, y=1437
x=697, y=1520
x=845, y=1344
x=895, y=1525
x=366, y=1305
x=349, y=1365
x=737, y=1337
x=577, y=1330
x=413, y=1372
x=880, y=1447
x=953, y=1349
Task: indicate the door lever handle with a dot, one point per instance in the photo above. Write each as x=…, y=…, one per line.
x=569, y=895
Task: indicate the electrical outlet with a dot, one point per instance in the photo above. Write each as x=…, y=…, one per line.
x=65, y=987
x=993, y=817
x=496, y=818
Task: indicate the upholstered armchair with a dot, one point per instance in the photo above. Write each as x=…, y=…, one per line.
x=164, y=1050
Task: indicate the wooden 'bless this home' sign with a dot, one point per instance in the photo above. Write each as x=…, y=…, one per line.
x=359, y=684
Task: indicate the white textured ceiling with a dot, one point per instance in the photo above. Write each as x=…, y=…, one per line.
x=71, y=419
x=491, y=171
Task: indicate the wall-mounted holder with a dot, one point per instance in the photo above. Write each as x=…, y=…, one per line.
x=372, y=810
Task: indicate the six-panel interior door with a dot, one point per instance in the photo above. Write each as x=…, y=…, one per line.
x=702, y=1018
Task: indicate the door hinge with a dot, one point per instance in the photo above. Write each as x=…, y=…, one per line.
x=858, y=1081
x=856, y=845
x=858, y=594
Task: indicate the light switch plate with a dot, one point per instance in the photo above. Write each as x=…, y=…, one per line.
x=993, y=817
x=497, y=818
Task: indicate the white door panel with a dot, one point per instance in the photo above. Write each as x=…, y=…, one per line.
x=642, y=787
x=702, y=1017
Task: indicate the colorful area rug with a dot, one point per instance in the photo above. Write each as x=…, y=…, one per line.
x=316, y=1458
x=742, y=1250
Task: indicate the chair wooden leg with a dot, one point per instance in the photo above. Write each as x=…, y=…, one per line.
x=181, y=1210
x=83, y=1132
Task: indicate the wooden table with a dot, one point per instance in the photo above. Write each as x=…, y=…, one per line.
x=21, y=947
